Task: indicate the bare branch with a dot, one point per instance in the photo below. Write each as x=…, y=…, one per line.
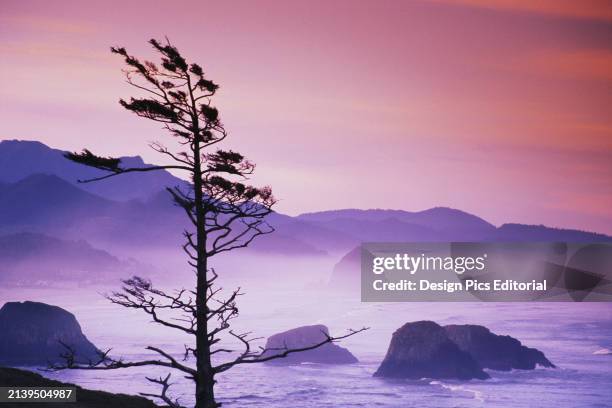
x=107, y=363
x=132, y=170
x=247, y=357
x=140, y=294
x=163, y=395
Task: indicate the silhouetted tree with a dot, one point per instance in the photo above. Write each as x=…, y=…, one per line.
x=225, y=214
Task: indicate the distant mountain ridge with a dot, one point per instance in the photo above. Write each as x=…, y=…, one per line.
x=37, y=259
x=47, y=199
x=522, y=232
x=35, y=196
x=22, y=158
x=447, y=218
x=47, y=204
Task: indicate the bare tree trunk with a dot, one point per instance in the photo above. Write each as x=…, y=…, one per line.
x=227, y=215
x=205, y=397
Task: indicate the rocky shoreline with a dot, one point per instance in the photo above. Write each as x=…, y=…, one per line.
x=33, y=333
x=12, y=377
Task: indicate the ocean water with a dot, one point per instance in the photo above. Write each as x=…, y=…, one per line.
x=568, y=333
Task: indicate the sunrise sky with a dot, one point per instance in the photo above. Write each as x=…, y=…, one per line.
x=499, y=108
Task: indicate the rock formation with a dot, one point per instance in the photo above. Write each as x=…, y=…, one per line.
x=493, y=351
x=306, y=336
x=427, y=350
x=423, y=350
x=31, y=332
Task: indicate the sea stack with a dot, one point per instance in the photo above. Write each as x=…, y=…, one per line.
x=423, y=350
x=306, y=336
x=31, y=332
x=502, y=353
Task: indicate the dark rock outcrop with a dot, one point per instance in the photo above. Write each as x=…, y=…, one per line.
x=424, y=350
x=493, y=351
x=11, y=377
x=307, y=336
x=31, y=332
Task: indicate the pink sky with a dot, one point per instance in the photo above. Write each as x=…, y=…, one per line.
x=499, y=108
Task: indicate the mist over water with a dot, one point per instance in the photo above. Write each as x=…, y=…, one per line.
x=283, y=292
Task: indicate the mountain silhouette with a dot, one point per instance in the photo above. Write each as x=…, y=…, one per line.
x=435, y=224
x=38, y=193
x=520, y=232
x=20, y=159
x=47, y=204
x=32, y=259
x=44, y=200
